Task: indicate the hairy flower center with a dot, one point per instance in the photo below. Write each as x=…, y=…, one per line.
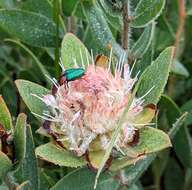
x=88, y=108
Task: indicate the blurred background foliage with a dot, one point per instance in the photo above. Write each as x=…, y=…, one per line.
x=30, y=36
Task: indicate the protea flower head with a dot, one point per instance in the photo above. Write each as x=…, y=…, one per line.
x=83, y=112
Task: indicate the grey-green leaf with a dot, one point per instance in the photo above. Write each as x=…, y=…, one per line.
x=151, y=140
x=69, y=7
x=42, y=7
x=25, y=154
x=5, y=116
x=143, y=43
x=179, y=69
x=20, y=137
x=58, y=156
x=5, y=164
x=73, y=49
x=134, y=172
x=27, y=91
x=182, y=143
x=101, y=31
x=146, y=12
x=154, y=78
x=31, y=28
x=82, y=179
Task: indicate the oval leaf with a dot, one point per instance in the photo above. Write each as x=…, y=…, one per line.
x=74, y=49
x=42, y=7
x=27, y=90
x=58, y=156
x=25, y=154
x=151, y=140
x=29, y=27
x=147, y=11
x=82, y=179
x=154, y=78
x=101, y=31
x=179, y=69
x=20, y=136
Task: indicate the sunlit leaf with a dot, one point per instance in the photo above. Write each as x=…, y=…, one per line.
x=27, y=91
x=154, y=78
x=58, y=156
x=73, y=50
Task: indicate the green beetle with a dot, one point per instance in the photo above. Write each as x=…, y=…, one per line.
x=72, y=74
x=69, y=75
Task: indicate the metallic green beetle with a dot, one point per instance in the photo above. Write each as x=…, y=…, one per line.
x=69, y=75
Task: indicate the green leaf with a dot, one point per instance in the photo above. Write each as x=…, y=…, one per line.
x=5, y=116
x=142, y=45
x=151, y=140
x=189, y=11
x=187, y=107
x=159, y=165
x=82, y=179
x=95, y=158
x=26, y=90
x=182, y=143
x=5, y=164
x=116, y=20
x=118, y=164
x=3, y=186
x=101, y=31
x=42, y=7
x=155, y=76
x=113, y=9
x=173, y=178
x=146, y=12
x=144, y=62
x=8, y=4
x=68, y=7
x=134, y=172
x=59, y=156
x=179, y=69
x=20, y=136
x=46, y=181
x=73, y=48
x=25, y=154
x=31, y=28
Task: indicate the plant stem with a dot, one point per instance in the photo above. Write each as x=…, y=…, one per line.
x=180, y=29
x=181, y=25
x=71, y=24
x=125, y=38
x=56, y=19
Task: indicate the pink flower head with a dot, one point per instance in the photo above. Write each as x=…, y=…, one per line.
x=86, y=110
